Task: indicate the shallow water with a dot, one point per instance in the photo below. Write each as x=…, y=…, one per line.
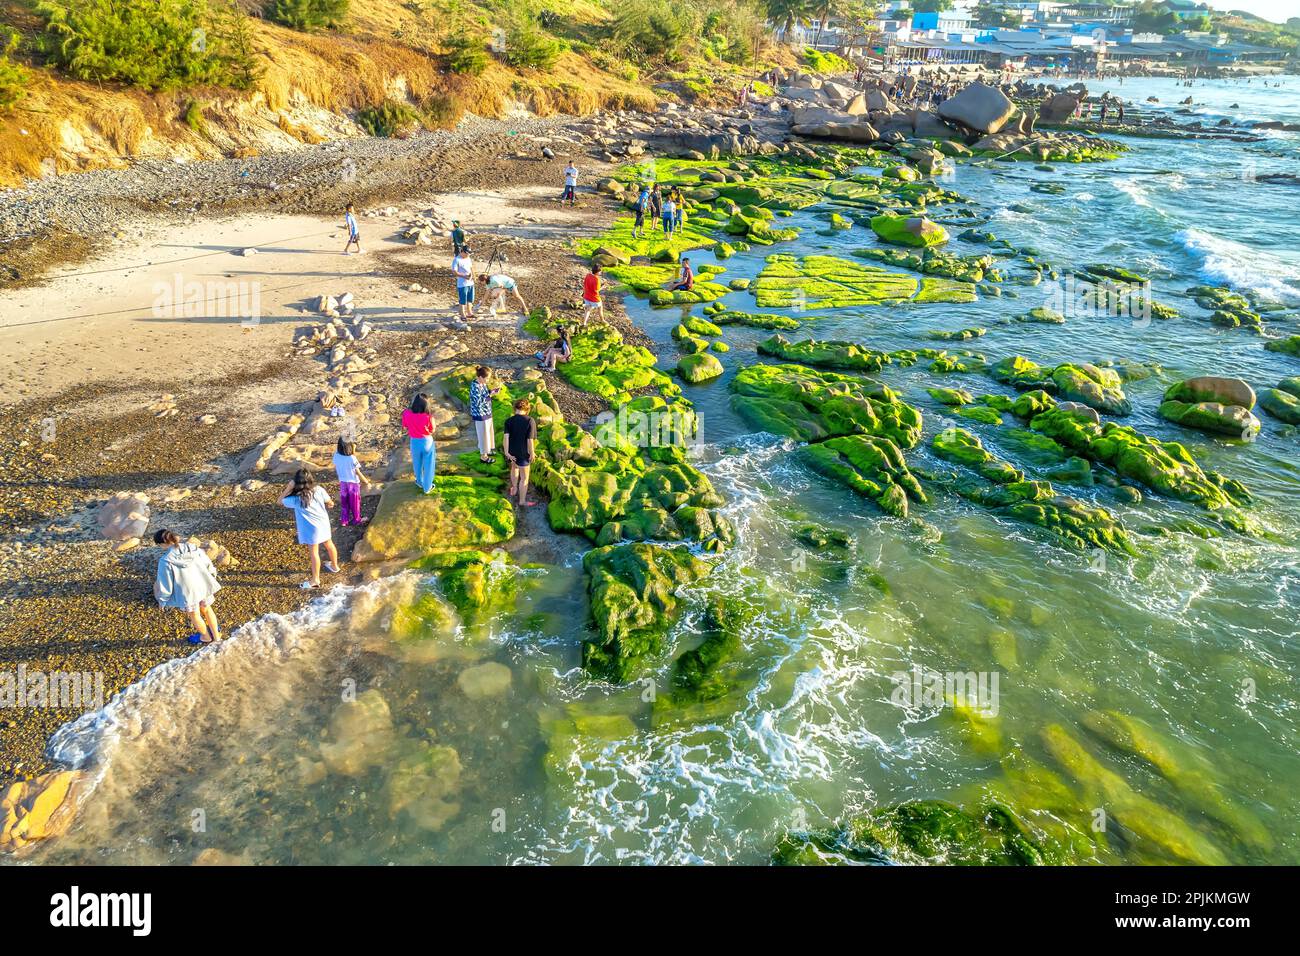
x=1197, y=638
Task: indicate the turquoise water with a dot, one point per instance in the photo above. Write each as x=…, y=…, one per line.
x=1195, y=638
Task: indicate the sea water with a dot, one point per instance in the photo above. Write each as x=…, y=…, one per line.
x=219, y=755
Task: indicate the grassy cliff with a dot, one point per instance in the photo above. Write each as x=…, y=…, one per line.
x=87, y=83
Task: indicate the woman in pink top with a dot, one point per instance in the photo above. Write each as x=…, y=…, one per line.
x=419, y=426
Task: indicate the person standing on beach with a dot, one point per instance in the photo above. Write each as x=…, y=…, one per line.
x=480, y=410
x=350, y=476
x=669, y=215
x=457, y=238
x=520, y=435
x=308, y=502
x=354, y=235
x=463, y=267
x=591, y=300
x=187, y=581
x=424, y=454
x=570, y=184
x=679, y=208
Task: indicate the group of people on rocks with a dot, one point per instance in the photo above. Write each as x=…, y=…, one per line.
x=186, y=578
x=666, y=209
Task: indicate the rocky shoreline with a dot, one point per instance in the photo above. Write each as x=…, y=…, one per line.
x=74, y=601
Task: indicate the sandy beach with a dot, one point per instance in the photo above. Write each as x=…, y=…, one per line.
x=112, y=383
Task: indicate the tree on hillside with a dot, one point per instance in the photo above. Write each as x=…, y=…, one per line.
x=308, y=15
x=155, y=44
x=789, y=12
x=996, y=17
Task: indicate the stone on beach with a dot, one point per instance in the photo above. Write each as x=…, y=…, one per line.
x=123, y=516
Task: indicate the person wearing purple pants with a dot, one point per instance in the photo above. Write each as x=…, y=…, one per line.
x=350, y=480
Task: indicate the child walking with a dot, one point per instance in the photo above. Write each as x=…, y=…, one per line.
x=308, y=501
x=351, y=478
x=354, y=235
x=187, y=581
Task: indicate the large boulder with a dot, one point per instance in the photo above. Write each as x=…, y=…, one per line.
x=1212, y=388
x=123, y=516
x=857, y=106
x=929, y=125
x=1282, y=405
x=1211, y=417
x=877, y=100
x=908, y=230
x=699, y=367
x=838, y=92
x=980, y=107
x=816, y=115
x=858, y=132
x=1058, y=108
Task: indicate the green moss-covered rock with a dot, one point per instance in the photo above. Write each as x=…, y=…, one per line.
x=820, y=282
x=1212, y=417
x=1019, y=372
x=873, y=467
x=1282, y=405
x=1042, y=315
x=921, y=832
x=951, y=396
x=959, y=446
x=908, y=230
x=811, y=405
x=699, y=367
x=634, y=601
x=1165, y=467
x=1158, y=830
x=1287, y=346
x=755, y=320
x=1096, y=387
x=957, y=335
x=605, y=365
x=1228, y=309
x=932, y=262
x=825, y=354
x=461, y=512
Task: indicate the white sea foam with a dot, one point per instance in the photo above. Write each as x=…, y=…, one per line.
x=1237, y=266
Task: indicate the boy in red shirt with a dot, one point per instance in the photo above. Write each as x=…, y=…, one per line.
x=591, y=301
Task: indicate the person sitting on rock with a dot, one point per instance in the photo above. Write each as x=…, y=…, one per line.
x=686, y=279
x=187, y=581
x=498, y=285
x=559, y=351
